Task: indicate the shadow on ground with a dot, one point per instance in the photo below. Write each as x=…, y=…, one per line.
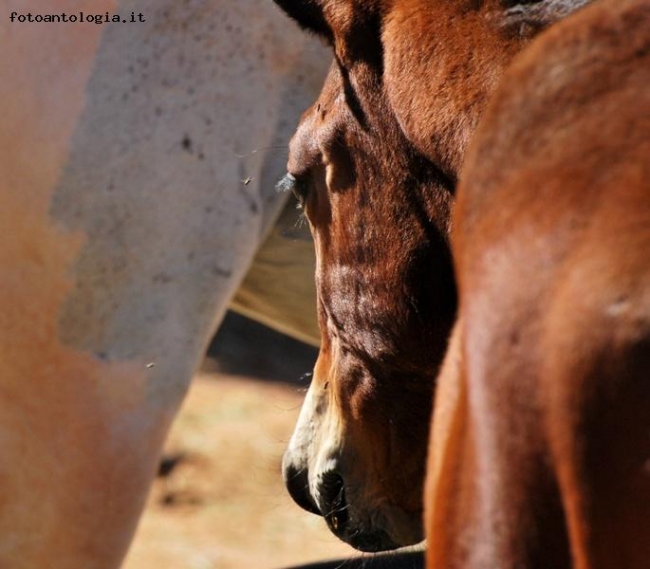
x=406, y=560
x=243, y=347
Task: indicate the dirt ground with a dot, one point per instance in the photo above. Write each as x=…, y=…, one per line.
x=219, y=501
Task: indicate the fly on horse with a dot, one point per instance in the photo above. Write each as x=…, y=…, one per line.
x=138, y=162
x=376, y=161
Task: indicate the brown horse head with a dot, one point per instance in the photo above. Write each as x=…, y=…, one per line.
x=358, y=453
x=375, y=162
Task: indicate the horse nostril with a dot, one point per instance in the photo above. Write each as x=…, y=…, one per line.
x=296, y=481
x=335, y=508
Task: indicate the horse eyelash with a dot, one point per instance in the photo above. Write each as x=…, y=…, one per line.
x=285, y=183
x=297, y=187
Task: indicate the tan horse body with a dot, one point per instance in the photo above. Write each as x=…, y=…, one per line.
x=132, y=202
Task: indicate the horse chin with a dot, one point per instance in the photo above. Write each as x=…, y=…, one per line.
x=372, y=542
x=367, y=524
x=389, y=528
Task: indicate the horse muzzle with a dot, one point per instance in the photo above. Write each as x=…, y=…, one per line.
x=327, y=472
x=329, y=500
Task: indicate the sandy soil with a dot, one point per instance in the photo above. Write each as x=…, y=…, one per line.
x=219, y=502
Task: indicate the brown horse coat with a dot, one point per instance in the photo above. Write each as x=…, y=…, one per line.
x=541, y=451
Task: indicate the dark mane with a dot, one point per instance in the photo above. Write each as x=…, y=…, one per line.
x=527, y=17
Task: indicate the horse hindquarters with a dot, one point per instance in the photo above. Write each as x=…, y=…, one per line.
x=492, y=500
x=552, y=238
x=597, y=399
x=543, y=460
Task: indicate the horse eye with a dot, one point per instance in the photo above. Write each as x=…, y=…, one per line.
x=298, y=186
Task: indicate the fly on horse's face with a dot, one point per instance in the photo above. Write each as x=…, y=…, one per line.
x=386, y=303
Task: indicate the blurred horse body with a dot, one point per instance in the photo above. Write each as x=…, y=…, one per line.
x=138, y=163
x=541, y=432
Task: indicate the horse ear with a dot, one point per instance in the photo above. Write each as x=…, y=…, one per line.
x=310, y=16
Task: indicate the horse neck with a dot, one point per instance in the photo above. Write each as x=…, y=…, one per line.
x=439, y=92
